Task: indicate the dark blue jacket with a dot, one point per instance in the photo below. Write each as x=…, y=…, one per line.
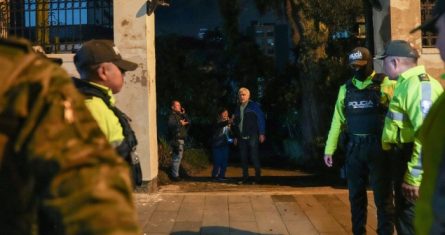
x=254, y=123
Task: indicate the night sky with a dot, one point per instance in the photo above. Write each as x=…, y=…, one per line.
x=186, y=17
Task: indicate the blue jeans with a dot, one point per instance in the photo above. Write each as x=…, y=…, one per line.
x=220, y=158
x=249, y=148
x=177, y=157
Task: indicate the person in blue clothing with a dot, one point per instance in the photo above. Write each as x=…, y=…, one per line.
x=221, y=141
x=250, y=131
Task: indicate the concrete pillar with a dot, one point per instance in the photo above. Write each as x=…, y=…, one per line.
x=134, y=35
x=382, y=32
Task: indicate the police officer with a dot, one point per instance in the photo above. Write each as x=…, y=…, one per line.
x=360, y=108
x=102, y=70
x=430, y=207
x=414, y=94
x=58, y=174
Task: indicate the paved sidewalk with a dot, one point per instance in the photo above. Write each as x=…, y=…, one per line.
x=320, y=210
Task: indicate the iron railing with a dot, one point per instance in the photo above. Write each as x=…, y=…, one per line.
x=59, y=26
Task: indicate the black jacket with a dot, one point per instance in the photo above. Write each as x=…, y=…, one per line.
x=176, y=131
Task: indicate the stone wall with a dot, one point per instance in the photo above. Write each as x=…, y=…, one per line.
x=395, y=21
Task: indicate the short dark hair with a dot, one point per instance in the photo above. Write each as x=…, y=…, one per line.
x=173, y=102
x=222, y=109
x=88, y=72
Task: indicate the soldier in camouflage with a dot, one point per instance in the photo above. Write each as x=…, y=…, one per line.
x=58, y=173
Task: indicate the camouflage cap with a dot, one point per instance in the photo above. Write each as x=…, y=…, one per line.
x=360, y=56
x=429, y=25
x=399, y=48
x=100, y=51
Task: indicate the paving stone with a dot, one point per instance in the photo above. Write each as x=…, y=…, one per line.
x=262, y=203
x=169, y=203
x=216, y=202
x=283, y=198
x=241, y=212
x=215, y=218
x=243, y=227
x=312, y=211
x=190, y=215
x=194, y=199
x=300, y=227
x=238, y=198
x=290, y=211
x=318, y=215
x=160, y=221
x=270, y=223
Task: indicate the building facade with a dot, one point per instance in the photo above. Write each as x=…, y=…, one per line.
x=395, y=21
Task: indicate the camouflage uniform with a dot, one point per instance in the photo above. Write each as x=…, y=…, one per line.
x=58, y=174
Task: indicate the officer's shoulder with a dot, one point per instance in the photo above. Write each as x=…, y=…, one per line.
x=379, y=78
x=418, y=79
x=94, y=99
x=434, y=81
x=388, y=82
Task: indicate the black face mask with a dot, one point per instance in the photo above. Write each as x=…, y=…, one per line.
x=363, y=72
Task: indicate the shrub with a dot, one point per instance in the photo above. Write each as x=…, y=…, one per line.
x=194, y=160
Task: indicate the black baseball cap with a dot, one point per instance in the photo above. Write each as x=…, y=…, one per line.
x=399, y=48
x=94, y=52
x=429, y=25
x=360, y=56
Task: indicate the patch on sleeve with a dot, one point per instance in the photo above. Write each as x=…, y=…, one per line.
x=423, y=77
x=425, y=106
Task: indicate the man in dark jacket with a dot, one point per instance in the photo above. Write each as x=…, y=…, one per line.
x=250, y=129
x=178, y=124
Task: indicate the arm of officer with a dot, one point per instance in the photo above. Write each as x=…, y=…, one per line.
x=338, y=119
x=417, y=107
x=416, y=112
x=387, y=88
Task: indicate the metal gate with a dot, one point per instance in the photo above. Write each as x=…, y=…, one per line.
x=59, y=26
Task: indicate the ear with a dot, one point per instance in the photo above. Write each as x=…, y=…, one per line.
x=102, y=72
x=395, y=62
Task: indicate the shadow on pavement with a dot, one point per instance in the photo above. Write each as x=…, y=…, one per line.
x=216, y=230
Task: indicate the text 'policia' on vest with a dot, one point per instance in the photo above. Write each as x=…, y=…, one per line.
x=363, y=110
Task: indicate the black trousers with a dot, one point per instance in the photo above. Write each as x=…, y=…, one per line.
x=365, y=161
x=249, y=149
x=404, y=208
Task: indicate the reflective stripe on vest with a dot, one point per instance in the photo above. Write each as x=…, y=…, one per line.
x=396, y=116
x=425, y=102
x=417, y=170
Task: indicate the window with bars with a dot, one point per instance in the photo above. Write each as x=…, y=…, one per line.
x=428, y=38
x=59, y=26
